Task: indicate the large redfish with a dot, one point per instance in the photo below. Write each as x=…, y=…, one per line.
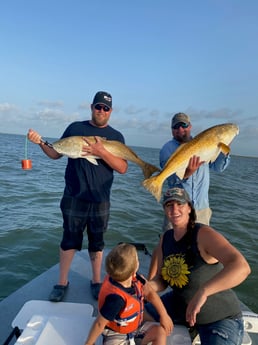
x=207, y=145
x=72, y=147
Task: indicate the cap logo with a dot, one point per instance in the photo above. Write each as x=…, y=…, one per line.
x=109, y=99
x=176, y=194
x=175, y=191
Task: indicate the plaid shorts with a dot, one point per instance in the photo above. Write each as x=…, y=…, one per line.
x=79, y=215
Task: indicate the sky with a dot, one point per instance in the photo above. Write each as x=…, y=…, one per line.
x=156, y=58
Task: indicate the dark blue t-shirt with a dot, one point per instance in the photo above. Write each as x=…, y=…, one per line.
x=83, y=179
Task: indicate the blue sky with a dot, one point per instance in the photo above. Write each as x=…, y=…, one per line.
x=156, y=58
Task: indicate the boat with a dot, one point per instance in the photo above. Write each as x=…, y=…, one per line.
x=28, y=318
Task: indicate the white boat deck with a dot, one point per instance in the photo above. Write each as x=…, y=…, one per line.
x=40, y=288
x=29, y=309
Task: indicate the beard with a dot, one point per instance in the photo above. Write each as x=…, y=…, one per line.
x=99, y=121
x=183, y=138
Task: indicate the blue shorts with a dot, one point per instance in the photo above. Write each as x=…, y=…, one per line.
x=223, y=332
x=228, y=331
x=79, y=215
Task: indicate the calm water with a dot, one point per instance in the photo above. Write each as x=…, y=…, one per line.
x=31, y=222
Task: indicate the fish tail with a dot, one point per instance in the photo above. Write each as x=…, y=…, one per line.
x=153, y=186
x=148, y=170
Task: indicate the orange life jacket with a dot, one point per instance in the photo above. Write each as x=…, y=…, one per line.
x=130, y=318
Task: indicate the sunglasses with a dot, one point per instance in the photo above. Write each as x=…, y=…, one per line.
x=181, y=124
x=99, y=107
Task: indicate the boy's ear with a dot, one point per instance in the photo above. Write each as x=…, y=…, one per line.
x=137, y=267
x=134, y=273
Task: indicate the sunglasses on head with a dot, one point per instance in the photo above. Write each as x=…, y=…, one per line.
x=99, y=107
x=181, y=124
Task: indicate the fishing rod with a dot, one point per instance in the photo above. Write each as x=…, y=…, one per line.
x=45, y=142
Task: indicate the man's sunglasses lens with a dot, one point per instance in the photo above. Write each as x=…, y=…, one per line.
x=104, y=107
x=181, y=124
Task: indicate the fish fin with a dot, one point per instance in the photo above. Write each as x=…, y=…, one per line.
x=91, y=160
x=224, y=148
x=153, y=186
x=148, y=170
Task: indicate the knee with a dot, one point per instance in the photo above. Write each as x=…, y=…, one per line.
x=156, y=335
x=160, y=331
x=96, y=242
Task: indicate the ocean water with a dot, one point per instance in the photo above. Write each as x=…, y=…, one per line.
x=31, y=222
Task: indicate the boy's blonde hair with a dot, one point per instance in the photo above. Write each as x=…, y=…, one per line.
x=122, y=261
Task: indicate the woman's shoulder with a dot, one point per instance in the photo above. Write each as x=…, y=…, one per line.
x=167, y=235
x=204, y=229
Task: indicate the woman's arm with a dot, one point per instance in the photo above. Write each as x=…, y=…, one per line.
x=153, y=297
x=157, y=283
x=215, y=247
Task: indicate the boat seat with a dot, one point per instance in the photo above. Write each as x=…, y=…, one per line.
x=62, y=323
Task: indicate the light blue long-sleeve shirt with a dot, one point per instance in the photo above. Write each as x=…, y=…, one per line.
x=197, y=185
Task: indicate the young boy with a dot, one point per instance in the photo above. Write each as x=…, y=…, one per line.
x=121, y=318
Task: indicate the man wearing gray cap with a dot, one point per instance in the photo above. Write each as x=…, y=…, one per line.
x=196, y=180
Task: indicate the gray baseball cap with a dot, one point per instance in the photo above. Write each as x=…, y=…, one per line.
x=180, y=117
x=176, y=194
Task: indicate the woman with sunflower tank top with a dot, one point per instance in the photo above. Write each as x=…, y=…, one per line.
x=201, y=267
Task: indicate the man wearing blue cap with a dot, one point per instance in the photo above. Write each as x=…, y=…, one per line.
x=86, y=200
